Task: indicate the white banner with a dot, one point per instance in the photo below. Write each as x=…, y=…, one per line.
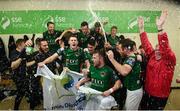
x=59, y=92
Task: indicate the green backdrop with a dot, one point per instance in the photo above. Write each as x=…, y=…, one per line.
x=34, y=21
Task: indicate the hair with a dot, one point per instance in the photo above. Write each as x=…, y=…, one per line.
x=101, y=52
x=97, y=24
x=127, y=43
x=19, y=42
x=114, y=27
x=133, y=42
x=39, y=40
x=84, y=23
x=92, y=42
x=73, y=35
x=50, y=23
x=121, y=37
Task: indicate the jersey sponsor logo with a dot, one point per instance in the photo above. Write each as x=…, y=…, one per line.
x=67, y=82
x=103, y=74
x=72, y=61
x=96, y=81
x=76, y=54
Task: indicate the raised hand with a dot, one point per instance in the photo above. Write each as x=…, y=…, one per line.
x=110, y=55
x=107, y=45
x=29, y=43
x=160, y=21
x=141, y=24
x=60, y=42
x=57, y=39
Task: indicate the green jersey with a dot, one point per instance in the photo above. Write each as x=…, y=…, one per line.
x=102, y=78
x=113, y=40
x=51, y=40
x=89, y=57
x=132, y=80
x=82, y=39
x=72, y=59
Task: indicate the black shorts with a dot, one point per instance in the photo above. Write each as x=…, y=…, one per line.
x=152, y=103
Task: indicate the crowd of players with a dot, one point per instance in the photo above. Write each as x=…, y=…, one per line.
x=136, y=78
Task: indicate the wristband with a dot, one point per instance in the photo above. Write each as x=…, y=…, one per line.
x=62, y=48
x=111, y=90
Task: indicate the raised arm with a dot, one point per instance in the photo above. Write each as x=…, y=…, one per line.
x=48, y=60
x=163, y=41
x=143, y=37
x=69, y=30
x=122, y=69
x=15, y=63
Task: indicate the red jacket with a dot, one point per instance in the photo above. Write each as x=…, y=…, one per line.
x=159, y=73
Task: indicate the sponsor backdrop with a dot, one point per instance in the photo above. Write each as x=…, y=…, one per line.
x=34, y=21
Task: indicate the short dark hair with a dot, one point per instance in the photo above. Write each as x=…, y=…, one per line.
x=39, y=40
x=73, y=35
x=127, y=43
x=101, y=52
x=50, y=23
x=121, y=37
x=19, y=41
x=84, y=23
x=114, y=27
x=92, y=42
x=97, y=24
x=133, y=42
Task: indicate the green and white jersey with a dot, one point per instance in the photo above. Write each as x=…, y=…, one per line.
x=53, y=46
x=72, y=59
x=89, y=57
x=82, y=39
x=102, y=78
x=132, y=80
x=112, y=40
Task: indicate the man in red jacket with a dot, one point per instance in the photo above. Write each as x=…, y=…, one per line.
x=160, y=67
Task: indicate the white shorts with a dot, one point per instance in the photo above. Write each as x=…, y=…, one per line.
x=133, y=99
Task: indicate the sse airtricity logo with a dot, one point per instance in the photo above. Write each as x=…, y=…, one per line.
x=5, y=22
x=67, y=82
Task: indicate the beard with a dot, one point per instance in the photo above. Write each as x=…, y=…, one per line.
x=51, y=31
x=97, y=64
x=43, y=51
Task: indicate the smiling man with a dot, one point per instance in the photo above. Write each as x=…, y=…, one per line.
x=72, y=57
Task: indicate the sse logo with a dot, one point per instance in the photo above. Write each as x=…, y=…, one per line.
x=67, y=82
